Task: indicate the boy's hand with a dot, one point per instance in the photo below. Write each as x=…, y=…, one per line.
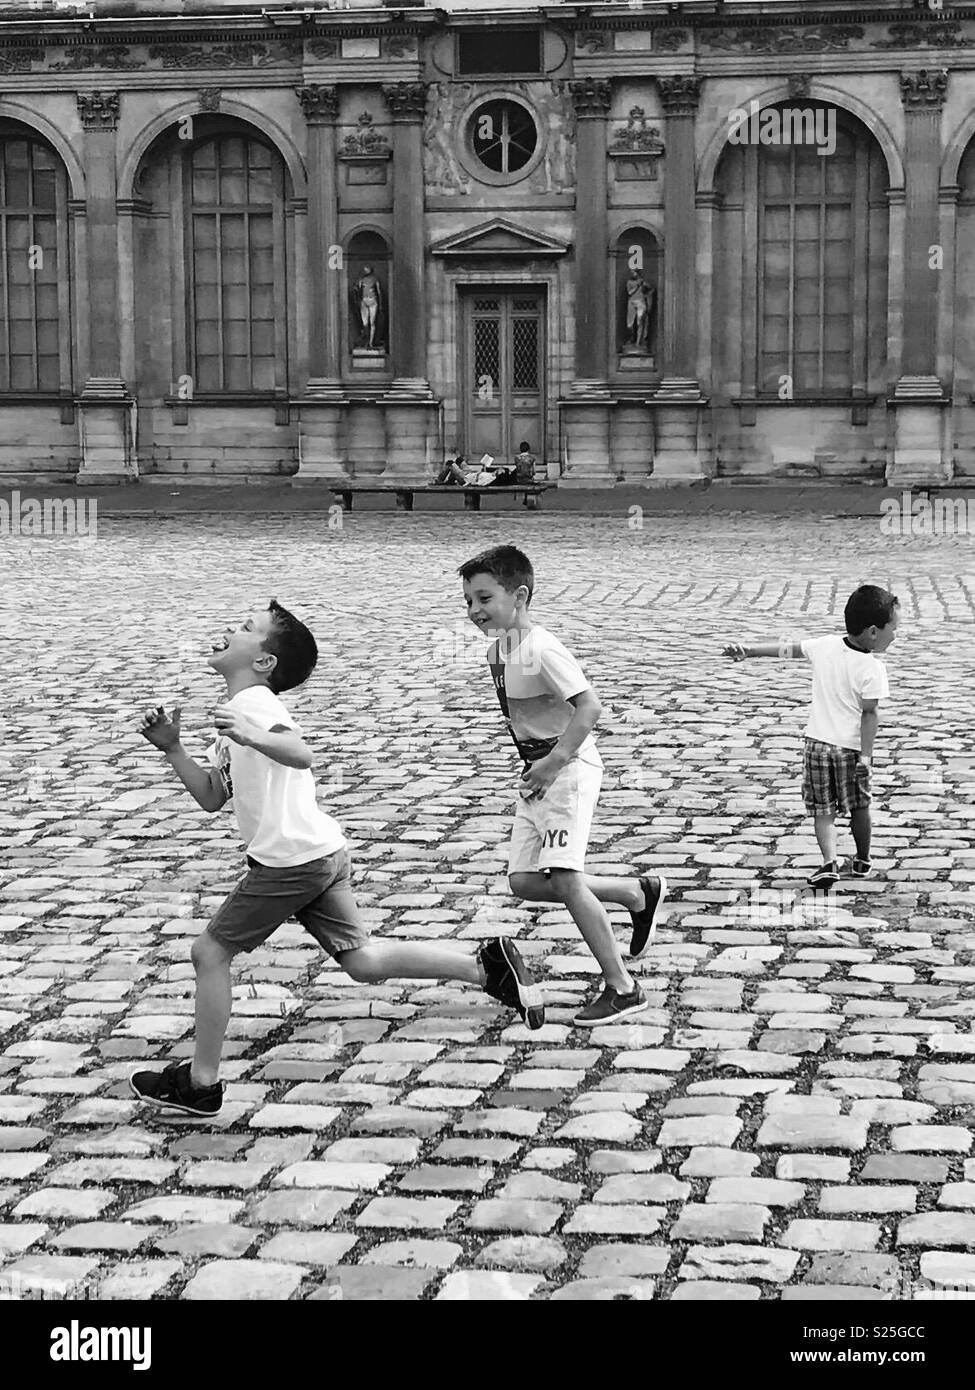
x=736, y=651
x=538, y=777
x=162, y=732
x=234, y=725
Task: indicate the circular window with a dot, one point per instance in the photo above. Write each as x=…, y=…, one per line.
x=503, y=136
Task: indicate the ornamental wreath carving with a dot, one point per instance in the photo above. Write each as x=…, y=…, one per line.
x=820, y=38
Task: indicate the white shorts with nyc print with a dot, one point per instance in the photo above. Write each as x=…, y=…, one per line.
x=552, y=831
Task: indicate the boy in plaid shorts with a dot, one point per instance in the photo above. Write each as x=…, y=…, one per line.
x=848, y=684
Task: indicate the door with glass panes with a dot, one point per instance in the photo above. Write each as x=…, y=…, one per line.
x=502, y=373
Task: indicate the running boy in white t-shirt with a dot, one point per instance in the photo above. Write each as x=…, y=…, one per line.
x=551, y=708
x=848, y=685
x=297, y=857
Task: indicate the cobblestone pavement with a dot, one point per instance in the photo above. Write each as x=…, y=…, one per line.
x=793, y=1116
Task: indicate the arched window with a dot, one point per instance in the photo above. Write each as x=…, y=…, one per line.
x=35, y=353
x=234, y=194
x=807, y=225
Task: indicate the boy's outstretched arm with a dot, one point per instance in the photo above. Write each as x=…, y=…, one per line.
x=869, y=719
x=205, y=785
x=739, y=652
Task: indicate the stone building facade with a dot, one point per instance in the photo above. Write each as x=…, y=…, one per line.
x=241, y=241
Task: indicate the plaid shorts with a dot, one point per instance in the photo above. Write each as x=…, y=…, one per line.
x=833, y=779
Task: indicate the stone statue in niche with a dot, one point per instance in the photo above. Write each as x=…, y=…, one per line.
x=640, y=295
x=368, y=308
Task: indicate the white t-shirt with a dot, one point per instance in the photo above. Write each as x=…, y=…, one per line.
x=280, y=821
x=842, y=679
x=540, y=675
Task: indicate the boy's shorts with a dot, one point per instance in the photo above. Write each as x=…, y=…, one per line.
x=834, y=780
x=552, y=831
x=318, y=894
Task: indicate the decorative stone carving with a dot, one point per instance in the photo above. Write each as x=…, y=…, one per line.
x=669, y=40
x=98, y=110
x=106, y=56
x=443, y=171
x=556, y=173
x=209, y=98
x=798, y=84
x=323, y=48
x=592, y=41
x=320, y=104
x=819, y=38
x=680, y=94
x=228, y=55
x=925, y=88
x=936, y=33
x=365, y=139
x=636, y=147
x=591, y=97
x=398, y=46
x=407, y=101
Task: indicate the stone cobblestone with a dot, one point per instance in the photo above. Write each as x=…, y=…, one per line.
x=790, y=1118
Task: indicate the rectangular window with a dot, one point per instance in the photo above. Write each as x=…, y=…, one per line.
x=31, y=209
x=498, y=52
x=806, y=270
x=237, y=199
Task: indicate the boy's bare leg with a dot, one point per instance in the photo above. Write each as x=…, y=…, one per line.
x=536, y=887
x=212, y=1008
x=410, y=960
x=570, y=887
x=826, y=836
x=860, y=825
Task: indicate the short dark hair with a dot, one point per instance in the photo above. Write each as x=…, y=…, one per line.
x=868, y=606
x=507, y=564
x=524, y=447
x=293, y=645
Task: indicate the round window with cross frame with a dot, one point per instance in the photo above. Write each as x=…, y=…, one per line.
x=502, y=141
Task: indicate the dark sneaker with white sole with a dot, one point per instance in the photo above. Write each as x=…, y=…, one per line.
x=510, y=981
x=610, y=1007
x=861, y=868
x=172, y=1089
x=645, y=921
x=825, y=877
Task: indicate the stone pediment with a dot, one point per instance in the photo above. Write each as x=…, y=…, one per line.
x=499, y=238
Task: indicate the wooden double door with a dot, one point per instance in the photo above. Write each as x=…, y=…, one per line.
x=502, y=371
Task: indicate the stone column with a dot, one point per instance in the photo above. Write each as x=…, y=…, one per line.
x=682, y=449
x=105, y=418
x=321, y=453
x=920, y=451
x=587, y=414
x=410, y=409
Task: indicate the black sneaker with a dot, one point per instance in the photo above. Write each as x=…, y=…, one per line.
x=510, y=980
x=861, y=868
x=611, y=1006
x=645, y=921
x=825, y=877
x=172, y=1089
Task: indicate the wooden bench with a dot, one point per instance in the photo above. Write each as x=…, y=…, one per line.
x=404, y=494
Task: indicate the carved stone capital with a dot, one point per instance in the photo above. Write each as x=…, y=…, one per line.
x=591, y=97
x=98, y=110
x=407, y=101
x=680, y=94
x=924, y=89
x=320, y=104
